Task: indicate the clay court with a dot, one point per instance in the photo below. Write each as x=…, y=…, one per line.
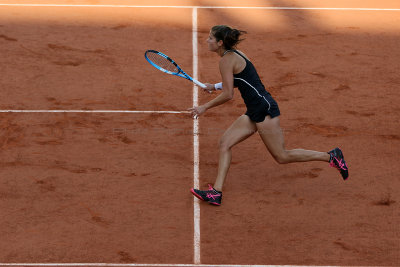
x=98, y=152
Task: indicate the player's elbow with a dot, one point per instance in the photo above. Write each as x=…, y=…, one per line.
x=229, y=95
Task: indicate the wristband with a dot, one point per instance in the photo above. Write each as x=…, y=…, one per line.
x=218, y=86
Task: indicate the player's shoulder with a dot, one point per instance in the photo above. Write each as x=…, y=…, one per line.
x=234, y=55
x=231, y=57
x=227, y=60
x=243, y=54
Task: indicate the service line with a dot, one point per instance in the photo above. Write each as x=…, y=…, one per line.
x=91, y=111
x=196, y=160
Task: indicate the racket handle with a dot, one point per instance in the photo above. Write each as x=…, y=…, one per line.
x=202, y=85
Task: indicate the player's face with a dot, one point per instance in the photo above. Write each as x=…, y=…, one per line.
x=212, y=42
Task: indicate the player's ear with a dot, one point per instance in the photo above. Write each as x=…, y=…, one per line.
x=220, y=43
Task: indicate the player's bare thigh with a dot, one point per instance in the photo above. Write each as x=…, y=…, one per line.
x=272, y=135
x=240, y=129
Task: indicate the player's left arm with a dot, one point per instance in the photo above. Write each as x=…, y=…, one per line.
x=226, y=69
x=226, y=65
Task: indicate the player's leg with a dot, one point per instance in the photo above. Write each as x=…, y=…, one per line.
x=241, y=129
x=272, y=136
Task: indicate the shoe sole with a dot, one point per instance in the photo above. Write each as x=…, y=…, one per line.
x=196, y=195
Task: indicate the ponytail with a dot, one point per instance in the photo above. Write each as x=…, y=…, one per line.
x=230, y=37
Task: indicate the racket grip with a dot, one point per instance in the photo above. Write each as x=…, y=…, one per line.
x=202, y=85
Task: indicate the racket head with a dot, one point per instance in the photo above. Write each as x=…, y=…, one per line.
x=162, y=62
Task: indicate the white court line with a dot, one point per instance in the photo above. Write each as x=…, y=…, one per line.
x=92, y=111
x=209, y=7
x=196, y=160
x=151, y=265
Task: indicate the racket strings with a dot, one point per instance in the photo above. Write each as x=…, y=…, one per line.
x=162, y=62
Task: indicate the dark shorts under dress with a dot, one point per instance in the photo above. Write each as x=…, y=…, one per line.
x=257, y=113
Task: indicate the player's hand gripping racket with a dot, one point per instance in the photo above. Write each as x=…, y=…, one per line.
x=167, y=65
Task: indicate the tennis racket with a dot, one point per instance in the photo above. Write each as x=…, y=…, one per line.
x=167, y=65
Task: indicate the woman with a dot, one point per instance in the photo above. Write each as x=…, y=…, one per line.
x=262, y=114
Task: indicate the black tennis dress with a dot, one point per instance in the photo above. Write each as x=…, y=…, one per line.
x=258, y=101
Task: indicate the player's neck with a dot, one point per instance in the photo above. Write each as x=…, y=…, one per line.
x=221, y=52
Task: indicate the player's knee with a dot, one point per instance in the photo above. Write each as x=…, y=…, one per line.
x=282, y=158
x=224, y=144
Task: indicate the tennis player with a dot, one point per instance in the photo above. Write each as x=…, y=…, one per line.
x=262, y=114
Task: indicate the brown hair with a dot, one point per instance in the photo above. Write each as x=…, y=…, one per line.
x=229, y=36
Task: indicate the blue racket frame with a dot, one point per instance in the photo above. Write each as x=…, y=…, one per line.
x=180, y=72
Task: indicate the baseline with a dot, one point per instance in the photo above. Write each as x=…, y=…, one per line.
x=205, y=7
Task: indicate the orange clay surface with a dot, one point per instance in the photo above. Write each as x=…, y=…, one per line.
x=114, y=188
